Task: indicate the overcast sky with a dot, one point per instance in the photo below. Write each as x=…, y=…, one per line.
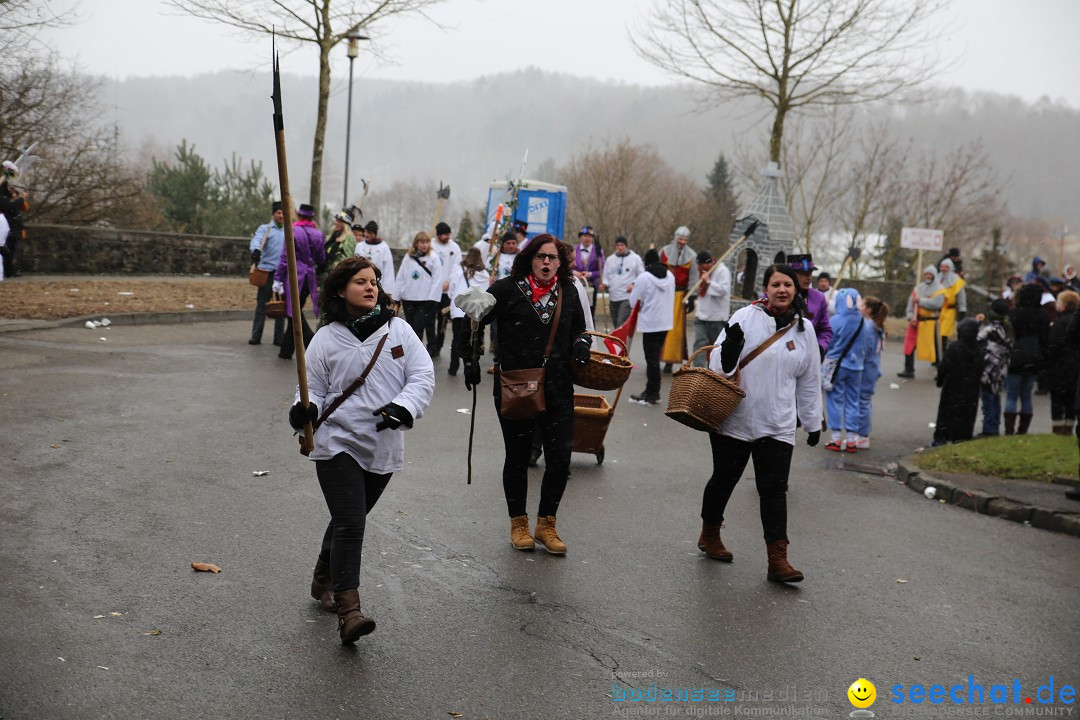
x=1029, y=48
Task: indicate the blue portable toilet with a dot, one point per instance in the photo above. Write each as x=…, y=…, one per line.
x=542, y=205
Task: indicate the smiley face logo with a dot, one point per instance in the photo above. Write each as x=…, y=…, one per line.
x=862, y=693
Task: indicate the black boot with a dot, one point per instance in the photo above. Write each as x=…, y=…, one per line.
x=1010, y=423
x=909, y=367
x=1025, y=423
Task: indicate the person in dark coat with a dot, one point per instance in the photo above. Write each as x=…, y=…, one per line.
x=960, y=380
x=1074, y=336
x=1031, y=331
x=1064, y=358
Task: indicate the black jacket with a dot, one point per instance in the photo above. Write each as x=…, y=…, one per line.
x=523, y=335
x=1031, y=330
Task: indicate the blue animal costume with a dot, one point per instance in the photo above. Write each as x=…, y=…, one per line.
x=848, y=350
x=873, y=339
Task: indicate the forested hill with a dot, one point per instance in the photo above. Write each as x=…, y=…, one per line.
x=467, y=134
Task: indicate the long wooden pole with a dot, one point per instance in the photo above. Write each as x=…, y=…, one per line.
x=308, y=442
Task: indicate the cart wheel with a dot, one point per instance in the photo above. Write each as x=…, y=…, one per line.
x=600, y=456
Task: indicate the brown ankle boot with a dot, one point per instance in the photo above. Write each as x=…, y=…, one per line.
x=1025, y=423
x=779, y=568
x=519, y=533
x=545, y=535
x=351, y=622
x=710, y=543
x=321, y=587
x=1010, y=423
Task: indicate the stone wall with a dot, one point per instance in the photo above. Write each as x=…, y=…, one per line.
x=64, y=249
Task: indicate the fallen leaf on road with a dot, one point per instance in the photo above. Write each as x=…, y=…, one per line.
x=152, y=632
x=455, y=714
x=98, y=617
x=116, y=614
x=205, y=567
x=901, y=581
x=54, y=446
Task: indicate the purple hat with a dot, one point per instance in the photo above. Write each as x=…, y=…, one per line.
x=305, y=211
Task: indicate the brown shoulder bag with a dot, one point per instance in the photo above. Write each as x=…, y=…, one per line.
x=522, y=391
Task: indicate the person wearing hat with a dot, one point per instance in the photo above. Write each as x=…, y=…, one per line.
x=449, y=253
x=922, y=312
x=953, y=256
x=817, y=307
x=588, y=262
x=339, y=245
x=955, y=307
x=504, y=265
x=681, y=260
x=1038, y=269
x=521, y=232
x=374, y=249
x=620, y=271
x=1012, y=286
x=266, y=246
x=713, y=304
x=310, y=253
x=655, y=290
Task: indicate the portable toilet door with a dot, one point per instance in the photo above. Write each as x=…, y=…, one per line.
x=541, y=205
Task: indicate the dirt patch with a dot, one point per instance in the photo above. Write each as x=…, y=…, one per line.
x=55, y=298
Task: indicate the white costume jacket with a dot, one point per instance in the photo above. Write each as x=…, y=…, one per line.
x=620, y=271
x=380, y=254
x=414, y=282
x=783, y=381
x=657, y=296
x=402, y=375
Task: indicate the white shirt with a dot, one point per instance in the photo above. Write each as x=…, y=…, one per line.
x=449, y=254
x=781, y=382
x=620, y=271
x=383, y=258
x=506, y=262
x=484, y=246
x=335, y=358
x=657, y=298
x=715, y=304
x=458, y=285
x=583, y=298
x=416, y=283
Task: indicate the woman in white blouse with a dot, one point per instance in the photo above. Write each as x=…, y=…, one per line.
x=360, y=445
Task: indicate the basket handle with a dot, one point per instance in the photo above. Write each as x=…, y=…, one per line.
x=690, y=360
x=609, y=337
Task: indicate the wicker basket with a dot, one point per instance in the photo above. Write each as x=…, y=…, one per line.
x=592, y=415
x=604, y=371
x=275, y=308
x=700, y=398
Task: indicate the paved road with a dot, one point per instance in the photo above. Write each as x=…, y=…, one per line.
x=127, y=459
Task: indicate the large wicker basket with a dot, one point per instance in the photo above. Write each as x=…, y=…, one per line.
x=700, y=398
x=604, y=371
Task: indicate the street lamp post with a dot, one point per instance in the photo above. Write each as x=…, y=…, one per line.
x=354, y=37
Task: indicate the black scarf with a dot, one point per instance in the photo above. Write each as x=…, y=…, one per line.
x=365, y=325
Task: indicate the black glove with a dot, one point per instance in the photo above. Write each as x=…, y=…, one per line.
x=472, y=374
x=300, y=416
x=394, y=416
x=691, y=303
x=581, y=350
x=255, y=255
x=732, y=347
x=813, y=438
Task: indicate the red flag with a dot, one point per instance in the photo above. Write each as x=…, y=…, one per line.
x=624, y=332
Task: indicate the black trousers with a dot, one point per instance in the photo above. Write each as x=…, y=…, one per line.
x=288, y=345
x=557, y=434
x=262, y=295
x=441, y=320
x=772, y=463
x=653, y=345
x=420, y=314
x=350, y=492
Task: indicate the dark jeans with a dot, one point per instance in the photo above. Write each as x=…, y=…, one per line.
x=991, y=412
x=262, y=295
x=288, y=345
x=351, y=492
x=772, y=463
x=420, y=314
x=441, y=320
x=653, y=343
x=557, y=432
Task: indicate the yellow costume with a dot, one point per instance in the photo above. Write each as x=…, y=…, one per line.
x=682, y=263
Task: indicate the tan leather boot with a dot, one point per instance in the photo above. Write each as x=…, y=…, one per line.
x=545, y=535
x=321, y=587
x=779, y=568
x=519, y=533
x=710, y=543
x=351, y=622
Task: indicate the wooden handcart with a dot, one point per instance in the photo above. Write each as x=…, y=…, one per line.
x=592, y=413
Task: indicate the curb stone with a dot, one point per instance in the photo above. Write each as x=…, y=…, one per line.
x=908, y=473
x=147, y=318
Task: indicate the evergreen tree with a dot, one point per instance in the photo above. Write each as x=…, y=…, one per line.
x=466, y=235
x=721, y=203
x=185, y=190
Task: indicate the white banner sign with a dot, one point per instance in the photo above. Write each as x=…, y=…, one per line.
x=921, y=239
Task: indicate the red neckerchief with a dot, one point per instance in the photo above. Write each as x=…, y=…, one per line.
x=538, y=290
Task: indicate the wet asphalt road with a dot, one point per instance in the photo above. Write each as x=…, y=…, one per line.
x=127, y=459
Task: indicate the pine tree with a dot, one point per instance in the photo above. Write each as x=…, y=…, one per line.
x=721, y=202
x=466, y=234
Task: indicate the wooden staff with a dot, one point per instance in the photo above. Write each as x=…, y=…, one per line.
x=307, y=443
x=720, y=261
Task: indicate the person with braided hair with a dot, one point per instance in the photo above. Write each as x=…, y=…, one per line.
x=782, y=384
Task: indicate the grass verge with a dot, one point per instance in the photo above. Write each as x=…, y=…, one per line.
x=1027, y=457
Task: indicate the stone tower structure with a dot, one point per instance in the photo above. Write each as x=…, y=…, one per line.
x=774, y=233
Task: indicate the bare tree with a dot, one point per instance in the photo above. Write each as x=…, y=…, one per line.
x=627, y=189
x=794, y=53
x=322, y=23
